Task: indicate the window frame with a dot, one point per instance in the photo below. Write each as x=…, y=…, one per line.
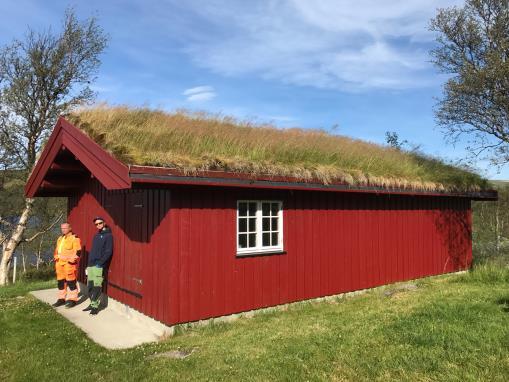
x=259, y=248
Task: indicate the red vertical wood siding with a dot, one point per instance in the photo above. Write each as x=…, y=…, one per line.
x=175, y=248
x=334, y=243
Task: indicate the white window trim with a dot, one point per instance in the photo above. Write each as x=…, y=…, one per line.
x=259, y=249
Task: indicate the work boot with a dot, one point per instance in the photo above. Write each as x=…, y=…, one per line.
x=70, y=304
x=94, y=311
x=59, y=302
x=87, y=308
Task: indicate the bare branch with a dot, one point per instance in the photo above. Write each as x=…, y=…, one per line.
x=44, y=230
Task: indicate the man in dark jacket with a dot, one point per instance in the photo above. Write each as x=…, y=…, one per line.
x=100, y=253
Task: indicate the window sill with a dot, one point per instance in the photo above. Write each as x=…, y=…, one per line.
x=261, y=253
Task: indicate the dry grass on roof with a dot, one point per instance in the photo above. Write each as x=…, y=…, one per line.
x=199, y=141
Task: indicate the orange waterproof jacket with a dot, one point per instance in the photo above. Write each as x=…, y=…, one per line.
x=68, y=248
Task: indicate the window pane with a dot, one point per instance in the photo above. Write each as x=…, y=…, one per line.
x=275, y=238
x=252, y=239
x=252, y=224
x=265, y=224
x=275, y=208
x=266, y=209
x=242, y=209
x=242, y=225
x=242, y=241
x=252, y=209
x=266, y=239
x=253, y=234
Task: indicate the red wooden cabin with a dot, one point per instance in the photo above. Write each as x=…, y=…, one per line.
x=188, y=248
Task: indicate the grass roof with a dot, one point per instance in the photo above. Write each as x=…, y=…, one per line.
x=199, y=141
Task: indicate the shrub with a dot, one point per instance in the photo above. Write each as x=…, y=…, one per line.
x=45, y=272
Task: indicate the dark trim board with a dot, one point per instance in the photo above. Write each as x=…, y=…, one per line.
x=135, y=294
x=236, y=182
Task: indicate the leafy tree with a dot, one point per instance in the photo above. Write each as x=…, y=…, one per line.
x=473, y=48
x=41, y=77
x=392, y=139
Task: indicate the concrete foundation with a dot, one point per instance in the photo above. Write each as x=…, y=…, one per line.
x=115, y=327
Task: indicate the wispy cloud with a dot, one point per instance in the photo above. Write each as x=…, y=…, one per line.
x=337, y=44
x=198, y=89
x=200, y=93
x=201, y=96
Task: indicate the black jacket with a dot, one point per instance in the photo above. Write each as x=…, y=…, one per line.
x=102, y=248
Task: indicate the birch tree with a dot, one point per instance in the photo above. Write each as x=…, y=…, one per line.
x=42, y=76
x=473, y=49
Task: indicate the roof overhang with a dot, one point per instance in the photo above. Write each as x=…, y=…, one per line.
x=148, y=174
x=68, y=159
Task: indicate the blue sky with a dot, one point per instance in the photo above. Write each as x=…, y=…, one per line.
x=355, y=68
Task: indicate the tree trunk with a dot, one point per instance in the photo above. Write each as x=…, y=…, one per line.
x=39, y=249
x=23, y=258
x=497, y=229
x=12, y=243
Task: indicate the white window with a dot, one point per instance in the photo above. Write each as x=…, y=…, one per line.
x=259, y=226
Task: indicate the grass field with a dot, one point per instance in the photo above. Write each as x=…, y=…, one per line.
x=451, y=328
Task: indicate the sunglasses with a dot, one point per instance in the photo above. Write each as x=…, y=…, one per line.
x=99, y=223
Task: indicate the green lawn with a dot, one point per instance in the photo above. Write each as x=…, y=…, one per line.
x=453, y=328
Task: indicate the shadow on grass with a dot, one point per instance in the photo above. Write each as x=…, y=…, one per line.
x=504, y=303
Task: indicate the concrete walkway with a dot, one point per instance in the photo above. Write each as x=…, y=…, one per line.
x=115, y=327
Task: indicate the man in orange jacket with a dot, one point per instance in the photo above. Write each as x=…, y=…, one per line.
x=66, y=256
